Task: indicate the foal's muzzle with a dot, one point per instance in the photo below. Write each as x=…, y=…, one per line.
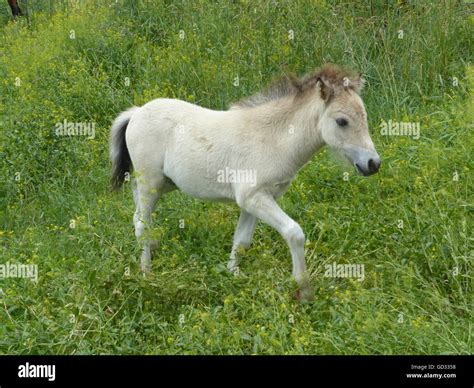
x=366, y=161
x=369, y=168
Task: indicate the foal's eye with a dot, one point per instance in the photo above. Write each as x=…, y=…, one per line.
x=341, y=122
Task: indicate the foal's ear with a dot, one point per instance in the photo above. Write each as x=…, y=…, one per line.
x=357, y=83
x=324, y=89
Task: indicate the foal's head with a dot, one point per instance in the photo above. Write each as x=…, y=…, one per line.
x=343, y=124
x=342, y=120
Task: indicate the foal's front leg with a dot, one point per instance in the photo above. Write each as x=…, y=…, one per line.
x=242, y=239
x=265, y=207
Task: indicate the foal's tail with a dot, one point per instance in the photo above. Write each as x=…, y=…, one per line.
x=121, y=162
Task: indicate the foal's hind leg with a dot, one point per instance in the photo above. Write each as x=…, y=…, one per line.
x=136, y=215
x=145, y=193
x=242, y=239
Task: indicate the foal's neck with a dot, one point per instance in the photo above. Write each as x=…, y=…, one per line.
x=294, y=126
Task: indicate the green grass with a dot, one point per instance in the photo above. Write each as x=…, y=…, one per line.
x=91, y=298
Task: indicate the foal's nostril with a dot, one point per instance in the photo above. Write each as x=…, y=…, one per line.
x=374, y=165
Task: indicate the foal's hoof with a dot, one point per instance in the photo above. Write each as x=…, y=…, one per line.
x=145, y=266
x=234, y=270
x=304, y=295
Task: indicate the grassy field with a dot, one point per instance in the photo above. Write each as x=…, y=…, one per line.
x=410, y=225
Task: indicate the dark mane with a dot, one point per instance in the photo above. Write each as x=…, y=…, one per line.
x=290, y=85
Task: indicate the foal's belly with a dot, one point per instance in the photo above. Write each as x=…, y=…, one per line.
x=207, y=193
x=197, y=182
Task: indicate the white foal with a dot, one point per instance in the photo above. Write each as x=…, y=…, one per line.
x=248, y=154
